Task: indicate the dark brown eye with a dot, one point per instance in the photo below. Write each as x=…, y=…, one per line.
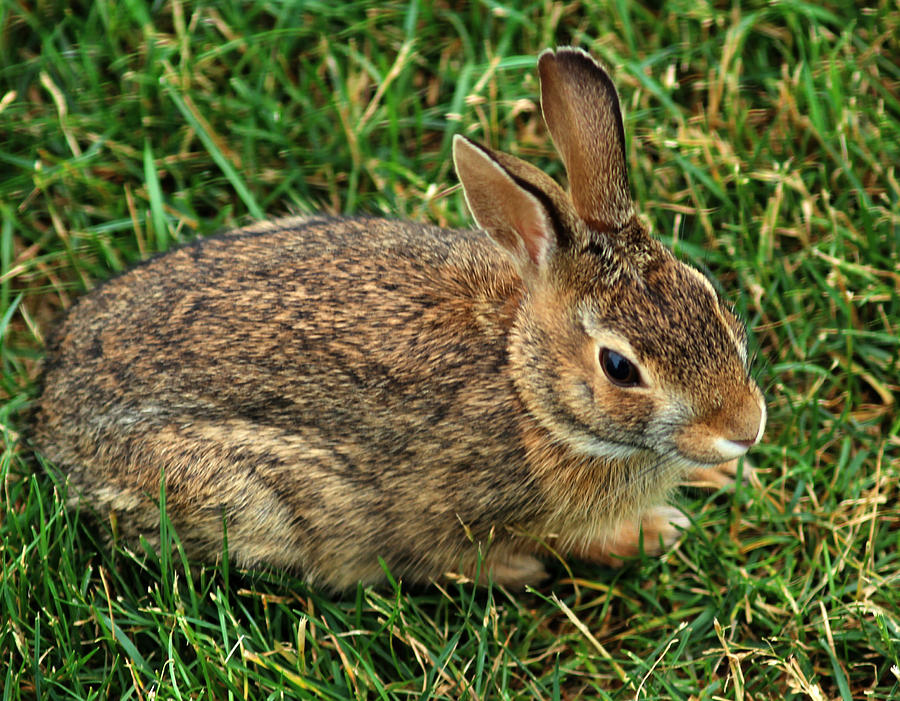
x=619, y=369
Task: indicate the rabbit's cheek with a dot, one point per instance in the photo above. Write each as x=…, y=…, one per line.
x=622, y=414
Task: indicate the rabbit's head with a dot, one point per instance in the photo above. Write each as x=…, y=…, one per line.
x=619, y=348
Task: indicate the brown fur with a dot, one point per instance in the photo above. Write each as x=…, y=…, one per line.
x=338, y=390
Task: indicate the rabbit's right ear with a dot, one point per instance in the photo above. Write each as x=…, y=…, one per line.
x=582, y=112
x=509, y=199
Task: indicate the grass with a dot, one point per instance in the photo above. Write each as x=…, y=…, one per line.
x=764, y=140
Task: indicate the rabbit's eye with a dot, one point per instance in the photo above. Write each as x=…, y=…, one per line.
x=619, y=369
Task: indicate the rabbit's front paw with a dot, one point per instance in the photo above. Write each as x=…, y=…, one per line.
x=659, y=528
x=514, y=571
x=719, y=476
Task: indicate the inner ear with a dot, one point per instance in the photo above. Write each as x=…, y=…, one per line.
x=519, y=217
x=513, y=211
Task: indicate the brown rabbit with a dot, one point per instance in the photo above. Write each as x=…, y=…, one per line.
x=335, y=391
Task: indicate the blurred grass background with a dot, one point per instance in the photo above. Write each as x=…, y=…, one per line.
x=763, y=142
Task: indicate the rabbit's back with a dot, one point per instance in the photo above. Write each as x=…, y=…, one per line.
x=296, y=377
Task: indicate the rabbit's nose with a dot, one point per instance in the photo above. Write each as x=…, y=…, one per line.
x=748, y=423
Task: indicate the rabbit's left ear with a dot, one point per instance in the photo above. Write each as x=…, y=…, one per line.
x=581, y=109
x=518, y=205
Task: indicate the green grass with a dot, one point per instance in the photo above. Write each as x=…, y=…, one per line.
x=763, y=142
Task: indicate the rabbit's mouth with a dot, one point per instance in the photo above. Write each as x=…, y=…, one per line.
x=728, y=433
x=703, y=444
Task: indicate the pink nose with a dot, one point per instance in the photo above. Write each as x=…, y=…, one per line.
x=746, y=423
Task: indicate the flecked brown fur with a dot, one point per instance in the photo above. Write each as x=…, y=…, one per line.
x=336, y=391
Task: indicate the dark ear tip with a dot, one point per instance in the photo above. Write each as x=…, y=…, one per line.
x=562, y=52
x=585, y=59
x=546, y=56
x=462, y=143
x=573, y=60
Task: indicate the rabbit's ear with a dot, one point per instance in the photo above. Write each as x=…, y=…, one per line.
x=581, y=109
x=518, y=205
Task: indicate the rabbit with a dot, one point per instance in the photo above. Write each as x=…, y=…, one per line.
x=330, y=394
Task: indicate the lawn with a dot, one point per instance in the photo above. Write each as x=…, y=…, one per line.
x=763, y=142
